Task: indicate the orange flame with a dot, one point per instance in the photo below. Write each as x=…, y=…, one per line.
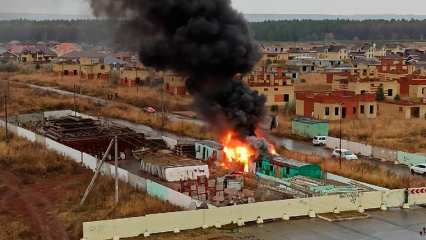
x=237, y=151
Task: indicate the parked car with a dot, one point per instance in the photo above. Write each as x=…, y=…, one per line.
x=418, y=169
x=150, y=110
x=346, y=154
x=319, y=140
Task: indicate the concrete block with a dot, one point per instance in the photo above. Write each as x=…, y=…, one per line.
x=285, y=217
x=240, y=222
x=176, y=230
x=406, y=206
x=146, y=234
x=361, y=209
x=217, y=225
x=205, y=226
x=336, y=210
x=116, y=238
x=312, y=214
x=259, y=220
x=383, y=207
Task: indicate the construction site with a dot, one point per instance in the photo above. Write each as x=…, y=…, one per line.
x=198, y=169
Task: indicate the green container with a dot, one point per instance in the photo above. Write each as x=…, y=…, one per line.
x=309, y=128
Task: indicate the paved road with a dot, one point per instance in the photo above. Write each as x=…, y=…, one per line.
x=293, y=145
x=394, y=224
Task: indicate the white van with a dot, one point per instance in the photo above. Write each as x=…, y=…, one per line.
x=319, y=140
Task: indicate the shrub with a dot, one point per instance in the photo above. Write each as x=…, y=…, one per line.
x=380, y=95
x=397, y=98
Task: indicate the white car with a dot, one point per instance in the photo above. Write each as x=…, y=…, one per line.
x=346, y=154
x=419, y=169
x=319, y=140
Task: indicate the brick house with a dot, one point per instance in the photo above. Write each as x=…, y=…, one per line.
x=272, y=82
x=404, y=109
x=367, y=86
x=175, y=84
x=335, y=105
x=393, y=67
x=413, y=87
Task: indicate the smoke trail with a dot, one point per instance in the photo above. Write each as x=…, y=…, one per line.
x=206, y=40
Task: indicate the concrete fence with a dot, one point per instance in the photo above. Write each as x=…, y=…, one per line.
x=241, y=214
x=384, y=154
x=154, y=189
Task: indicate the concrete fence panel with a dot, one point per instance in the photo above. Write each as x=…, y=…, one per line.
x=123, y=175
x=332, y=142
x=64, y=150
x=411, y=159
x=40, y=139
x=90, y=162
x=385, y=154
x=370, y=200
x=394, y=198
x=137, y=182
x=30, y=136
x=358, y=148
x=240, y=214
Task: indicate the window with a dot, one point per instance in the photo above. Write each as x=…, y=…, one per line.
x=401, y=109
x=102, y=67
x=327, y=111
x=265, y=89
x=371, y=109
x=286, y=98
x=336, y=111
x=390, y=92
x=362, y=110
x=275, y=89
x=354, y=110
x=363, y=92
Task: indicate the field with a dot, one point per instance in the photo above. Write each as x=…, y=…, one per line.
x=141, y=96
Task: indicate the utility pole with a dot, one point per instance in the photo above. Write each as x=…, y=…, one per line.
x=340, y=139
x=75, y=100
x=116, y=170
x=98, y=169
x=6, y=112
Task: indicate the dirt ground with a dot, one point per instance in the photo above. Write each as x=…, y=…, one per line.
x=40, y=192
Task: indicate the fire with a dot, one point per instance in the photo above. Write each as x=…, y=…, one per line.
x=237, y=150
x=241, y=151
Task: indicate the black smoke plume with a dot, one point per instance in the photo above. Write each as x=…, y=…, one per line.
x=206, y=40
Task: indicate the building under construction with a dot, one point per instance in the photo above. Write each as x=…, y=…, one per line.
x=91, y=136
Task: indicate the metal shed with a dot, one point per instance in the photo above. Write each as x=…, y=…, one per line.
x=208, y=150
x=309, y=128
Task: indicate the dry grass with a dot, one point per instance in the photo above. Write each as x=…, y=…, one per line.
x=389, y=132
x=359, y=171
x=141, y=96
x=63, y=182
x=14, y=227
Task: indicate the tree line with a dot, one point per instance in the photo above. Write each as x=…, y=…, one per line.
x=102, y=31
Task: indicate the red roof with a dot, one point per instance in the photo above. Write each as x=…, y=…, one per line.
x=334, y=96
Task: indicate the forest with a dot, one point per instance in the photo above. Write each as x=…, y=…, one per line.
x=102, y=31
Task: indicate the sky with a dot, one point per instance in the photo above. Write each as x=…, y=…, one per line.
x=338, y=7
